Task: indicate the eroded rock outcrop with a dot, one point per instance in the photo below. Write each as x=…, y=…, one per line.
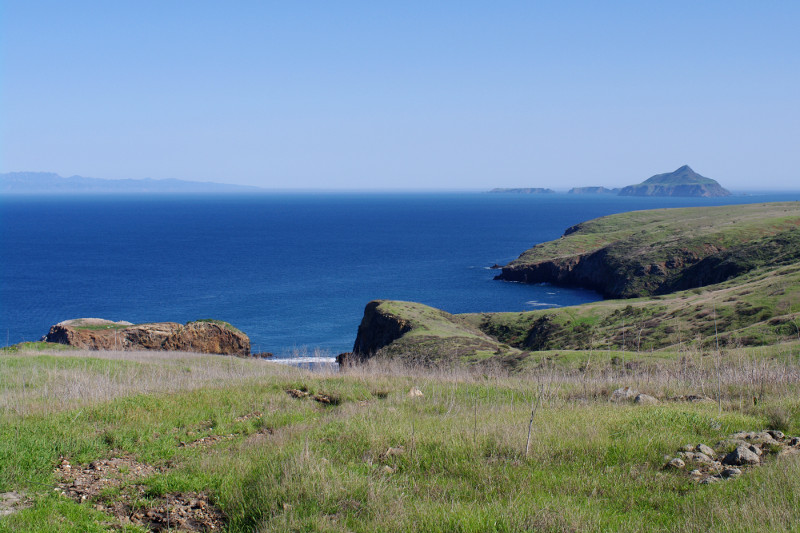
x=201, y=336
x=378, y=328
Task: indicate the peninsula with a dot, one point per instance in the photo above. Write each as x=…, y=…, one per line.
x=729, y=274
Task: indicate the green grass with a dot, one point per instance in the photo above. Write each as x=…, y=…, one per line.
x=35, y=346
x=593, y=466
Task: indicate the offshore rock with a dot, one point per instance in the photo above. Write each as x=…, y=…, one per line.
x=201, y=336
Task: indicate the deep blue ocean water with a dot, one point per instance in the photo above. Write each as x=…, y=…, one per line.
x=293, y=271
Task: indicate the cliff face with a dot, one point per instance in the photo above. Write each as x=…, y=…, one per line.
x=378, y=328
x=601, y=271
x=200, y=337
x=661, y=251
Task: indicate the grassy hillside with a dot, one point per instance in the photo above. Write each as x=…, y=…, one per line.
x=759, y=308
x=355, y=452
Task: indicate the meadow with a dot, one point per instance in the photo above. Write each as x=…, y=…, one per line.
x=249, y=445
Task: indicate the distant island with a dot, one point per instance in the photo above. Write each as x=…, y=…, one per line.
x=593, y=190
x=48, y=182
x=682, y=182
x=528, y=190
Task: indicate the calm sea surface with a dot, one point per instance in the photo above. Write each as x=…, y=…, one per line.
x=293, y=271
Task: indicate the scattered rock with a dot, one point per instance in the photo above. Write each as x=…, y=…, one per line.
x=392, y=452
x=296, y=393
x=645, y=399
x=696, y=457
x=749, y=449
x=691, y=398
x=742, y=455
x=190, y=511
x=676, y=463
x=624, y=394
x=777, y=435
x=325, y=399
x=415, y=393
x=707, y=450
x=248, y=416
x=730, y=473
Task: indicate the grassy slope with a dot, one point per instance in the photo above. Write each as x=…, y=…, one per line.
x=593, y=465
x=439, y=336
x=656, y=235
x=759, y=308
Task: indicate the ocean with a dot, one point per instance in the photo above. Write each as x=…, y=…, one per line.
x=293, y=271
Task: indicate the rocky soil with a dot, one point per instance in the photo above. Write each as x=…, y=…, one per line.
x=731, y=457
x=200, y=337
x=111, y=486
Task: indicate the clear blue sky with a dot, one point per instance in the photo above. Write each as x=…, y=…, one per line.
x=404, y=94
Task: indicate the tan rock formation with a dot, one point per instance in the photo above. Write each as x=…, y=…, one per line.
x=200, y=336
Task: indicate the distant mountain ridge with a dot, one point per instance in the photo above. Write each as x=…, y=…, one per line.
x=682, y=182
x=49, y=182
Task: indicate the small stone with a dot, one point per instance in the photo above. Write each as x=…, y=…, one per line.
x=400, y=450
x=696, y=473
x=795, y=441
x=415, y=393
x=676, y=463
x=645, y=399
x=702, y=448
x=700, y=457
x=777, y=435
x=709, y=480
x=742, y=455
x=730, y=473
x=755, y=449
x=623, y=393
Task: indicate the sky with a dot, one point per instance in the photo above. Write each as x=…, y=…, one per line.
x=402, y=95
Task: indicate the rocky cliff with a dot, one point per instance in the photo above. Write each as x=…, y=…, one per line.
x=203, y=336
x=379, y=327
x=661, y=251
x=421, y=334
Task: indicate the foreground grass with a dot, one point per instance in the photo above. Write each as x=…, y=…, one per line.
x=459, y=461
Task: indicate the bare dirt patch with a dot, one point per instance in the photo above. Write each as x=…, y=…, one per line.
x=111, y=486
x=11, y=502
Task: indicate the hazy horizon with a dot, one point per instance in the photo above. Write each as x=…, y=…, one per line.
x=363, y=96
